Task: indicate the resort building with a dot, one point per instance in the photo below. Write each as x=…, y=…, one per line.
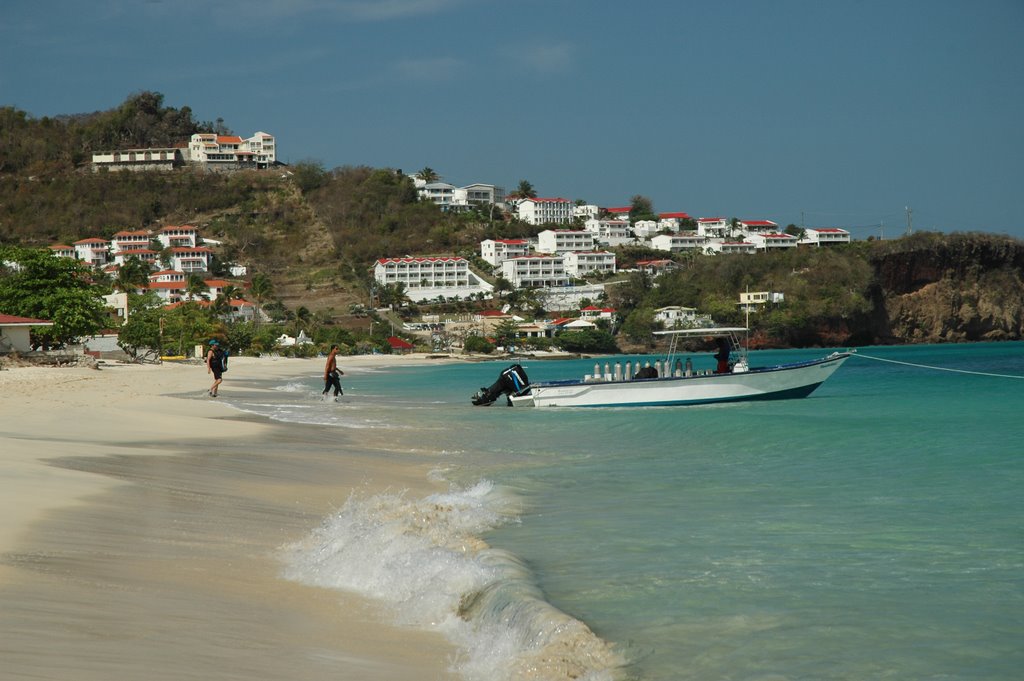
x=543, y=211
x=586, y=212
x=535, y=271
x=676, y=317
x=146, y=255
x=94, y=251
x=230, y=152
x=674, y=243
x=439, y=193
x=191, y=258
x=480, y=194
x=15, y=332
x=758, y=226
x=593, y=313
x=130, y=240
x=751, y=301
x=713, y=228
x=730, y=247
x=564, y=240
x=63, y=251
x=674, y=221
x=494, y=251
x=172, y=237
x=161, y=158
x=656, y=267
x=825, y=236
x=427, y=278
x=770, y=241
x=582, y=263
x=645, y=229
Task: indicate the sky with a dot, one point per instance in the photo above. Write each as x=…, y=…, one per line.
x=819, y=113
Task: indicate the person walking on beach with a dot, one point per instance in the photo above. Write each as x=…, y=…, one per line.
x=332, y=374
x=215, y=365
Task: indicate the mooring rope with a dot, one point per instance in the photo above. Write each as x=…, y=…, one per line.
x=928, y=366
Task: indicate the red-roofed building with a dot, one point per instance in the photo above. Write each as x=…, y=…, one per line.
x=178, y=236
x=762, y=226
x=825, y=236
x=656, y=267
x=496, y=250
x=231, y=151
x=540, y=211
x=191, y=259
x=592, y=312
x=426, y=278
x=63, y=251
x=15, y=332
x=94, y=251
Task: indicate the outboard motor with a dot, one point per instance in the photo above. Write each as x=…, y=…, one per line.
x=511, y=381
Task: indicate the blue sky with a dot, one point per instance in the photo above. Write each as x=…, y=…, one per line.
x=816, y=112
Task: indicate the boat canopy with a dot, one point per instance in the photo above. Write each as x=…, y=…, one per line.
x=715, y=331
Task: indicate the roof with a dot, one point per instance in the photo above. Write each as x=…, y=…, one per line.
x=12, y=320
x=191, y=249
x=620, y=209
x=680, y=215
x=511, y=242
x=92, y=240
x=398, y=344
x=827, y=230
x=181, y=228
x=128, y=232
x=548, y=200
x=710, y=219
x=61, y=247
x=451, y=258
x=229, y=139
x=759, y=223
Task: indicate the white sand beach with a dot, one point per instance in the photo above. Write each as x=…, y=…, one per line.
x=140, y=521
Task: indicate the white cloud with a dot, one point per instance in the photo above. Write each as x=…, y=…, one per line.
x=545, y=59
x=436, y=69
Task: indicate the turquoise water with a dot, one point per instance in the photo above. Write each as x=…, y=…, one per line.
x=870, y=531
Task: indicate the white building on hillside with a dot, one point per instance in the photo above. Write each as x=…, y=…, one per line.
x=825, y=236
x=683, y=241
x=758, y=226
x=587, y=211
x=582, y=263
x=731, y=247
x=426, y=278
x=713, y=228
x=771, y=241
x=63, y=251
x=494, y=251
x=565, y=240
x=535, y=271
x=231, y=151
x=93, y=251
x=610, y=232
x=191, y=259
x=543, y=211
x=676, y=316
x=130, y=240
x=673, y=222
x=185, y=235
x=161, y=158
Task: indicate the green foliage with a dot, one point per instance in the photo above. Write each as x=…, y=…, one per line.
x=45, y=286
x=309, y=175
x=478, y=345
x=587, y=340
x=641, y=208
x=639, y=325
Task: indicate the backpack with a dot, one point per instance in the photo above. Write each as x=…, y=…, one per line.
x=224, y=359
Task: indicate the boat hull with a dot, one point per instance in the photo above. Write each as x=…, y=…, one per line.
x=786, y=381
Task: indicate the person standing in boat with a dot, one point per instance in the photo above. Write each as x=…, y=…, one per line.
x=722, y=356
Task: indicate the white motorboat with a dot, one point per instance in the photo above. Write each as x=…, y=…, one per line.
x=669, y=382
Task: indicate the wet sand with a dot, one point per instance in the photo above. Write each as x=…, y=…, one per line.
x=142, y=523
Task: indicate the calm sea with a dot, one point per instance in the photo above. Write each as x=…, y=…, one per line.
x=874, y=530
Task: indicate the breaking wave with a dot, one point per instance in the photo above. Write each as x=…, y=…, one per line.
x=424, y=560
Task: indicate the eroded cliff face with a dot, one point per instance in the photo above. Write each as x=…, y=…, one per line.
x=950, y=288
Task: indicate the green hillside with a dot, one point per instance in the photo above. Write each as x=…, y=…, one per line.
x=315, y=232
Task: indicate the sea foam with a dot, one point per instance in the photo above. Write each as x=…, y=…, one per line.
x=424, y=560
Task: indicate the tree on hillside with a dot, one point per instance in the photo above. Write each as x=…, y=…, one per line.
x=641, y=208
x=132, y=275
x=42, y=285
x=261, y=289
x=525, y=190
x=428, y=175
x=195, y=287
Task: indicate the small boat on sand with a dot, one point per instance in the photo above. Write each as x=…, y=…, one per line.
x=669, y=383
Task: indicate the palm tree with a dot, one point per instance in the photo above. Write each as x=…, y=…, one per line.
x=261, y=289
x=195, y=287
x=525, y=190
x=428, y=175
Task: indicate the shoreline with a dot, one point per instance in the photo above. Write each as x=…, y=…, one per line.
x=104, y=468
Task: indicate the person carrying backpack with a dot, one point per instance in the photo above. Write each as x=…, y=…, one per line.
x=216, y=359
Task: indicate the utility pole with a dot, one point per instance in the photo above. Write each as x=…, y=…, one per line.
x=910, y=224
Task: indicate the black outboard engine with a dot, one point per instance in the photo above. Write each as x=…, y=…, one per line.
x=511, y=381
